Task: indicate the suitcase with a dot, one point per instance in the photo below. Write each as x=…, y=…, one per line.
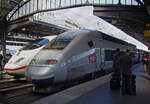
x=133, y=85
x=115, y=82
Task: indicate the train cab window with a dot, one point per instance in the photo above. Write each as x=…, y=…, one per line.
x=35, y=44
x=109, y=55
x=60, y=43
x=90, y=43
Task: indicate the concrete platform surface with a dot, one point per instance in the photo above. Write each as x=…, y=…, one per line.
x=98, y=92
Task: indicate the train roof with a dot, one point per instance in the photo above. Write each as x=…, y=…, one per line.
x=116, y=40
x=72, y=33
x=75, y=32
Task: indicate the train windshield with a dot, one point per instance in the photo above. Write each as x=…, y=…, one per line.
x=35, y=44
x=60, y=43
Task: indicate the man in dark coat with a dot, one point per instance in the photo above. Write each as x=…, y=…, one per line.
x=116, y=62
x=1, y=58
x=126, y=63
x=115, y=80
x=8, y=55
x=125, y=67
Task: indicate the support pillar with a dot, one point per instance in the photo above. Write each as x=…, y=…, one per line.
x=3, y=34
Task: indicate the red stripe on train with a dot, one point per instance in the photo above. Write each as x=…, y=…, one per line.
x=8, y=69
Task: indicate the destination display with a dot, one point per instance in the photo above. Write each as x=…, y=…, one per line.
x=147, y=27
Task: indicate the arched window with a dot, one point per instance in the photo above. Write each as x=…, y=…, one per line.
x=91, y=1
x=78, y=2
x=102, y=1
x=34, y=4
x=63, y=2
x=134, y=2
x=84, y=1
x=73, y=2
x=40, y=5
x=96, y=1
x=128, y=2
x=115, y=1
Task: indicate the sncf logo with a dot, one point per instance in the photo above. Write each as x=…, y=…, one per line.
x=92, y=58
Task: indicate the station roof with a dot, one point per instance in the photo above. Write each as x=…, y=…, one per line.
x=38, y=27
x=7, y=5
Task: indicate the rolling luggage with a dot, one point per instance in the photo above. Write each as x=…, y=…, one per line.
x=115, y=82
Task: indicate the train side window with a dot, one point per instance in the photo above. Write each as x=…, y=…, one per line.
x=90, y=43
x=35, y=44
x=109, y=55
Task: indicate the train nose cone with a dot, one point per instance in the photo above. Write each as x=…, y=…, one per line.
x=40, y=74
x=15, y=69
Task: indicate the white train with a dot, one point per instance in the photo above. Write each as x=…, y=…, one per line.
x=73, y=55
x=17, y=65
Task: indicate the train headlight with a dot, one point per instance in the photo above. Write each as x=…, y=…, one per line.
x=45, y=62
x=51, y=61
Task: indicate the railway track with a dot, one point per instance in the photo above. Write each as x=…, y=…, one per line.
x=13, y=91
x=10, y=84
x=22, y=96
x=20, y=92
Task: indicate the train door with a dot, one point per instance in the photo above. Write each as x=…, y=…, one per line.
x=99, y=54
x=102, y=59
x=108, y=58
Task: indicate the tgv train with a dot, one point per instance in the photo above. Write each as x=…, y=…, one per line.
x=73, y=55
x=17, y=65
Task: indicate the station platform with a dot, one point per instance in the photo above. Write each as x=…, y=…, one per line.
x=98, y=92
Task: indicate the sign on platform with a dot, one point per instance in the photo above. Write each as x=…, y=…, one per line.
x=147, y=27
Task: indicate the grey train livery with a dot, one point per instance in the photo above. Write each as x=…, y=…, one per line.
x=73, y=55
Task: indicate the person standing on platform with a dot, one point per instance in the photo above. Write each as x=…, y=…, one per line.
x=145, y=61
x=115, y=80
x=125, y=67
x=116, y=62
x=148, y=65
x=8, y=55
x=1, y=58
x=126, y=62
